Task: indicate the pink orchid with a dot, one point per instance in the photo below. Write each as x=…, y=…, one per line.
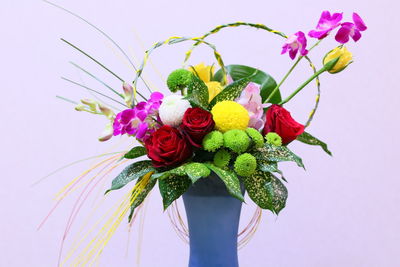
x=326, y=24
x=352, y=30
x=250, y=98
x=295, y=43
x=139, y=121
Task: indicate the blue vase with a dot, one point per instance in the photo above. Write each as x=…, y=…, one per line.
x=213, y=218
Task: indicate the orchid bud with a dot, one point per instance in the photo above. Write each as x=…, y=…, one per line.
x=80, y=107
x=128, y=93
x=106, y=111
x=343, y=59
x=90, y=103
x=107, y=132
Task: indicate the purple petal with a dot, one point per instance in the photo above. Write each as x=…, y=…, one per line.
x=284, y=49
x=318, y=34
x=156, y=96
x=359, y=22
x=142, y=129
x=342, y=36
x=356, y=35
x=336, y=18
x=326, y=15
x=293, y=52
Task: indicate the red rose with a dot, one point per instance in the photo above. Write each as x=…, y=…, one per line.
x=196, y=123
x=168, y=147
x=278, y=120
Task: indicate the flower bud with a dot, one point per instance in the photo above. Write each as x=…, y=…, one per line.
x=343, y=59
x=80, y=107
x=107, y=133
x=90, y=103
x=128, y=93
x=106, y=111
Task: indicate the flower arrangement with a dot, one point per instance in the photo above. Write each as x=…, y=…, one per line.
x=231, y=122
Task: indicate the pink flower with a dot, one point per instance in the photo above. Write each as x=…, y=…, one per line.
x=294, y=43
x=251, y=100
x=139, y=121
x=352, y=30
x=326, y=24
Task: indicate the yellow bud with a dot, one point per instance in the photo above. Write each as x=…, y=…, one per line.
x=80, y=107
x=204, y=72
x=214, y=88
x=90, y=103
x=106, y=111
x=128, y=93
x=344, y=55
x=107, y=133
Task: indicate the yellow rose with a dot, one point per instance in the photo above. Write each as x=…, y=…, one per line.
x=214, y=88
x=204, y=72
x=345, y=58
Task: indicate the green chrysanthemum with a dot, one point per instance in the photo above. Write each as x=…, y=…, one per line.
x=212, y=141
x=273, y=139
x=178, y=79
x=245, y=164
x=236, y=140
x=222, y=158
x=256, y=137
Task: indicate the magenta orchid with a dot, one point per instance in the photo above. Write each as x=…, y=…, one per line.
x=352, y=30
x=139, y=121
x=295, y=43
x=326, y=24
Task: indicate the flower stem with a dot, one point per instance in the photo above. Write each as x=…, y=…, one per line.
x=315, y=75
x=288, y=73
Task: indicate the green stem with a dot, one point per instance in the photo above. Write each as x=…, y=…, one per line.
x=315, y=75
x=288, y=73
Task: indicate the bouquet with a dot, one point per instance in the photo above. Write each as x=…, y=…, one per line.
x=226, y=120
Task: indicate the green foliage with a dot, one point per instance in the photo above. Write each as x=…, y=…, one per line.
x=213, y=141
x=271, y=153
x=266, y=81
x=256, y=137
x=236, y=140
x=197, y=93
x=172, y=187
x=179, y=79
x=196, y=171
x=311, y=140
x=222, y=158
x=230, y=179
x=136, y=152
x=273, y=139
x=267, y=191
x=245, y=164
x=134, y=171
x=231, y=91
x=141, y=197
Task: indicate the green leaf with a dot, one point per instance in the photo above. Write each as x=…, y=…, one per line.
x=180, y=171
x=311, y=140
x=266, y=81
x=271, y=153
x=196, y=170
x=267, y=191
x=266, y=166
x=172, y=187
x=231, y=91
x=134, y=171
x=136, y=152
x=198, y=93
x=230, y=179
x=141, y=197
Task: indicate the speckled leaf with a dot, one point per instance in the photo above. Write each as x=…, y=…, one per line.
x=311, y=140
x=130, y=173
x=266, y=166
x=172, y=187
x=136, y=152
x=141, y=197
x=198, y=93
x=196, y=170
x=267, y=191
x=230, y=179
x=276, y=154
x=180, y=171
x=231, y=91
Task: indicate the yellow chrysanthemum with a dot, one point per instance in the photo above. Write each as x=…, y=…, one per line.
x=204, y=72
x=214, y=88
x=230, y=115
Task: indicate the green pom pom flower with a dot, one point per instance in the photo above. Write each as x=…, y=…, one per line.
x=236, y=140
x=222, y=158
x=245, y=164
x=256, y=137
x=273, y=139
x=212, y=141
x=178, y=80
